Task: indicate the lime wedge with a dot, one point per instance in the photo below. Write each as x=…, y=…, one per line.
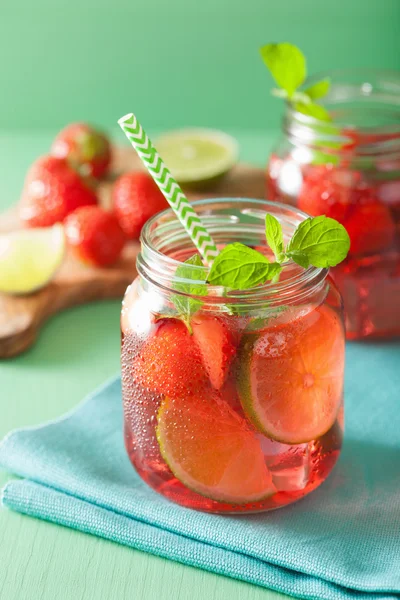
x=197, y=156
x=290, y=377
x=29, y=258
x=212, y=451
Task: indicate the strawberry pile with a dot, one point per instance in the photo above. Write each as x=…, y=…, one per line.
x=62, y=187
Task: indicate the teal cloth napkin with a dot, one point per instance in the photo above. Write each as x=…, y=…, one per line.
x=341, y=542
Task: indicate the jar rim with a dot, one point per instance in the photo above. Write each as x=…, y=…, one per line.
x=160, y=269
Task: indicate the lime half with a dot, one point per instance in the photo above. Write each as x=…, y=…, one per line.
x=198, y=156
x=29, y=258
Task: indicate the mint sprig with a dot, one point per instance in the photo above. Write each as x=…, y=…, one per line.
x=288, y=67
x=320, y=241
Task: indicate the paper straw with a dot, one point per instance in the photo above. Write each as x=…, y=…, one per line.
x=169, y=187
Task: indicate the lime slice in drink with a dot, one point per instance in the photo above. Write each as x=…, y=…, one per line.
x=291, y=375
x=197, y=156
x=29, y=258
x=212, y=451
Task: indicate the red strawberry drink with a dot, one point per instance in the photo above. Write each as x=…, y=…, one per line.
x=349, y=169
x=233, y=400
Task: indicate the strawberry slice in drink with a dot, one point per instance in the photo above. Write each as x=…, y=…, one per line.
x=290, y=376
x=216, y=344
x=169, y=362
x=176, y=362
x=212, y=450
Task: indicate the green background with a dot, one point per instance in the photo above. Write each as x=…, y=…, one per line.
x=174, y=62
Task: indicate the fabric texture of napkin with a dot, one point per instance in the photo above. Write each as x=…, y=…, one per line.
x=340, y=542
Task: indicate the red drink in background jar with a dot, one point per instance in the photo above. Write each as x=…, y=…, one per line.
x=240, y=409
x=350, y=170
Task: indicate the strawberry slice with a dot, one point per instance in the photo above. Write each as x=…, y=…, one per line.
x=215, y=342
x=370, y=227
x=169, y=363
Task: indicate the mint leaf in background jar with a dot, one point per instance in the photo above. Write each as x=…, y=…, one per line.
x=318, y=89
x=186, y=305
x=288, y=67
x=313, y=110
x=239, y=267
x=319, y=241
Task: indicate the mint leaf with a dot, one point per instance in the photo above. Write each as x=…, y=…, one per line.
x=319, y=241
x=286, y=64
x=313, y=110
x=318, y=90
x=274, y=235
x=239, y=267
x=299, y=258
x=185, y=305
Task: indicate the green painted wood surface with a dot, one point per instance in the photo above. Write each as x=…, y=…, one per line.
x=181, y=62
x=77, y=351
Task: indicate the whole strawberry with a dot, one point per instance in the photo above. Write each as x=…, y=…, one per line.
x=94, y=236
x=136, y=198
x=87, y=149
x=52, y=190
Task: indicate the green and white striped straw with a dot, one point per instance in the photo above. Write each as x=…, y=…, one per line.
x=169, y=187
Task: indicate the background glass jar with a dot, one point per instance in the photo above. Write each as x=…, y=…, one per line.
x=240, y=409
x=350, y=170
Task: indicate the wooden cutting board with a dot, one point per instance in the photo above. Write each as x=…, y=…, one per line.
x=22, y=316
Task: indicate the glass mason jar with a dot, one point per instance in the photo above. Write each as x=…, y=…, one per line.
x=350, y=170
x=241, y=408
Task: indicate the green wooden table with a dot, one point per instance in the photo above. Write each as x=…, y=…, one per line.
x=76, y=352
